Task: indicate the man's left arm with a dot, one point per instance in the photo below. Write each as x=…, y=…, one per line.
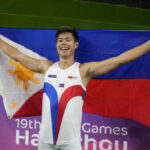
x=92, y=69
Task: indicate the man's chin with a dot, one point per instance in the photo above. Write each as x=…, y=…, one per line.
x=64, y=56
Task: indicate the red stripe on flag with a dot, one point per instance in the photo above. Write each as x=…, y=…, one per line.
x=32, y=107
x=124, y=98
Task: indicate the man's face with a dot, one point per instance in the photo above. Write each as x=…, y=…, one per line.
x=66, y=45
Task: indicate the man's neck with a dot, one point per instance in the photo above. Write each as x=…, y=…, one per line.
x=65, y=63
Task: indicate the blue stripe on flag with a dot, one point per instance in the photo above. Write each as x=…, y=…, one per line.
x=95, y=45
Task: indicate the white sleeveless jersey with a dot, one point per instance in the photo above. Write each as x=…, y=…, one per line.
x=62, y=105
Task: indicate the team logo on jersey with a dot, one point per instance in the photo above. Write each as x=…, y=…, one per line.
x=52, y=76
x=72, y=77
x=61, y=85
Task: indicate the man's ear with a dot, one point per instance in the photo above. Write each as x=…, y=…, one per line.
x=77, y=44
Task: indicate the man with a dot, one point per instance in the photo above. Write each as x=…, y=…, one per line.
x=64, y=87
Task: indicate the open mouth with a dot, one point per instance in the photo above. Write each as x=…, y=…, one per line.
x=64, y=48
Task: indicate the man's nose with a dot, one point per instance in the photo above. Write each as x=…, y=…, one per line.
x=63, y=42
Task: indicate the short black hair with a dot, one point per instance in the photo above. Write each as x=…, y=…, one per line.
x=68, y=29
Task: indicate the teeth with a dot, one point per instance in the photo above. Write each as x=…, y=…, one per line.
x=64, y=48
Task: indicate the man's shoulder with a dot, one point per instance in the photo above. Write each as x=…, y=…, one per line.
x=47, y=64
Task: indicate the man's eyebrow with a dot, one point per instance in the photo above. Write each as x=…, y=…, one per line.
x=64, y=38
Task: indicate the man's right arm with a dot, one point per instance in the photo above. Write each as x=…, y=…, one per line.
x=33, y=64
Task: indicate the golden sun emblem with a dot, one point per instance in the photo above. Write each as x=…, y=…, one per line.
x=22, y=74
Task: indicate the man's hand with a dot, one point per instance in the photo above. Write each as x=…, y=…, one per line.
x=10, y=48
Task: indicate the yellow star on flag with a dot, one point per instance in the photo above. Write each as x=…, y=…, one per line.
x=13, y=104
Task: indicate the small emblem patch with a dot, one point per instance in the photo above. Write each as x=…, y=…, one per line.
x=52, y=76
x=72, y=77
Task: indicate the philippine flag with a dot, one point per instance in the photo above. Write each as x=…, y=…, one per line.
x=124, y=92
x=20, y=88
x=61, y=85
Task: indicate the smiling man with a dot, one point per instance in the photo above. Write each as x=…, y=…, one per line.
x=64, y=87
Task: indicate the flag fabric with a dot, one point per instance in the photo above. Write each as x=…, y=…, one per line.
x=21, y=88
x=124, y=92
x=123, y=98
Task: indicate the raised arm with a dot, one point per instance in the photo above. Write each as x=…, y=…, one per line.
x=91, y=69
x=31, y=63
